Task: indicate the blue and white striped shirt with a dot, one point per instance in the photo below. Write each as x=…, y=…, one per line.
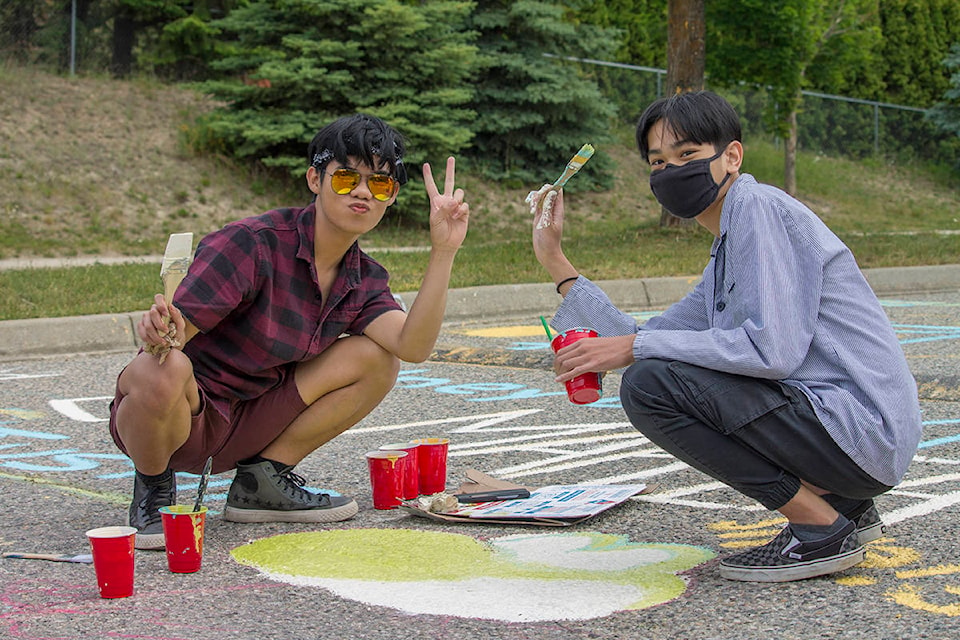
x=782, y=298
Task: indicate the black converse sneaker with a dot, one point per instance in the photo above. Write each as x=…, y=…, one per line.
x=785, y=558
x=144, y=513
x=259, y=493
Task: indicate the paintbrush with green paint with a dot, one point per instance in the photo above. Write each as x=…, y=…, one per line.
x=573, y=166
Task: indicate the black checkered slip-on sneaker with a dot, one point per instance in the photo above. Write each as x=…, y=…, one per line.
x=785, y=558
x=867, y=520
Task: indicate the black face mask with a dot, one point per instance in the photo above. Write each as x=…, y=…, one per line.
x=686, y=190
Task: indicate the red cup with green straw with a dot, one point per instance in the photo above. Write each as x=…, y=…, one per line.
x=586, y=387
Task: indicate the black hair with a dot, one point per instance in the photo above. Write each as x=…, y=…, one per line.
x=363, y=137
x=702, y=117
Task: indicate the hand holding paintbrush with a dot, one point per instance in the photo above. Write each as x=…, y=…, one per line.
x=176, y=261
x=544, y=198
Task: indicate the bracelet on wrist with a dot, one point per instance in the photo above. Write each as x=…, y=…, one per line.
x=565, y=281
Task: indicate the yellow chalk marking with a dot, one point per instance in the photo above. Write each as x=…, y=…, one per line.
x=939, y=570
x=22, y=414
x=113, y=498
x=888, y=556
x=749, y=534
x=746, y=544
x=733, y=525
x=512, y=331
x=910, y=596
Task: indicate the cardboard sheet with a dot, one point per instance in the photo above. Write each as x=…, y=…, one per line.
x=555, y=505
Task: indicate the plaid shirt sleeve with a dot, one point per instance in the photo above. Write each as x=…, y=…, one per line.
x=221, y=277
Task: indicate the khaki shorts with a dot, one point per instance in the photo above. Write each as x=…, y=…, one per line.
x=249, y=428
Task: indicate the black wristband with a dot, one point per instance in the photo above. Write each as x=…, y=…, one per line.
x=565, y=281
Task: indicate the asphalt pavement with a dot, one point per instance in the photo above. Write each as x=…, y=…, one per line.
x=644, y=568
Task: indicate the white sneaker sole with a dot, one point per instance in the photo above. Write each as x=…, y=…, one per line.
x=790, y=572
x=874, y=532
x=149, y=542
x=334, y=514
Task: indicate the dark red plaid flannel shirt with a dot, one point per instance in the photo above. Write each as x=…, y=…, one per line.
x=252, y=292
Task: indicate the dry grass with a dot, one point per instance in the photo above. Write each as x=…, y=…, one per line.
x=95, y=166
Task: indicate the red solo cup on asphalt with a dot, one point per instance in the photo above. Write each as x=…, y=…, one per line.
x=586, y=387
x=112, y=549
x=386, y=477
x=432, y=464
x=410, y=471
x=183, y=536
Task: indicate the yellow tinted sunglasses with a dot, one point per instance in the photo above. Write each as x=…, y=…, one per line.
x=381, y=186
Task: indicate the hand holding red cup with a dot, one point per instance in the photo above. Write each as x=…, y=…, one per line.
x=586, y=387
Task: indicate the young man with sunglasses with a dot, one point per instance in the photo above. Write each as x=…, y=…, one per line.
x=779, y=374
x=286, y=335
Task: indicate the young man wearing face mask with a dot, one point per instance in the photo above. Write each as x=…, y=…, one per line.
x=778, y=375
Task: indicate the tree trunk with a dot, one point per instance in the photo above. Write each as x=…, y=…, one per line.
x=790, y=156
x=686, y=59
x=18, y=28
x=124, y=33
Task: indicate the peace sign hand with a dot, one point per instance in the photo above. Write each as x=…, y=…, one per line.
x=449, y=214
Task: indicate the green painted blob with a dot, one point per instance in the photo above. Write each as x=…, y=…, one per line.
x=412, y=556
x=369, y=554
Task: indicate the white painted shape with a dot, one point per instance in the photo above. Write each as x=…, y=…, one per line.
x=70, y=407
x=507, y=600
x=567, y=552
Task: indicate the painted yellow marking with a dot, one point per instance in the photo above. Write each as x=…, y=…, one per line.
x=939, y=570
x=22, y=414
x=733, y=525
x=113, y=498
x=512, y=331
x=856, y=581
x=746, y=544
x=888, y=556
x=909, y=596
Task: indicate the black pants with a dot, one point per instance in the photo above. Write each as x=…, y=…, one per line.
x=760, y=437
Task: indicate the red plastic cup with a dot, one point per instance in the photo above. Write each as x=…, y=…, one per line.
x=386, y=477
x=183, y=536
x=586, y=387
x=112, y=549
x=432, y=464
x=409, y=472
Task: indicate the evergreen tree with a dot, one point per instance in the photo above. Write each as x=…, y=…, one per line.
x=642, y=25
x=917, y=34
x=534, y=111
x=295, y=65
x=946, y=114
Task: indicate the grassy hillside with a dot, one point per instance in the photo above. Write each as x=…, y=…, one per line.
x=96, y=166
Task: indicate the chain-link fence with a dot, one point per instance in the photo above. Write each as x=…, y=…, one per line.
x=827, y=124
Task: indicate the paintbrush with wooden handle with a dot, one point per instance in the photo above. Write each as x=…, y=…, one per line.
x=535, y=197
x=176, y=261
